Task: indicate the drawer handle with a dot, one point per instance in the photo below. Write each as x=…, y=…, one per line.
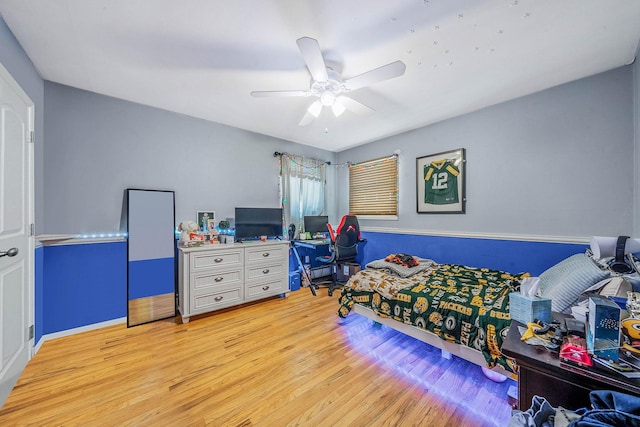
x=266, y=254
x=218, y=299
x=218, y=260
x=265, y=271
x=219, y=279
x=265, y=288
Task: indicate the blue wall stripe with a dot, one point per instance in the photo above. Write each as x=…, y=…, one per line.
x=38, y=316
x=151, y=277
x=513, y=256
x=83, y=284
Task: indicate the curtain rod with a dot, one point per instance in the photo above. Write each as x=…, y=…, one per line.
x=278, y=154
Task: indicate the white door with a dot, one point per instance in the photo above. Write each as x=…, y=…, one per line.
x=16, y=240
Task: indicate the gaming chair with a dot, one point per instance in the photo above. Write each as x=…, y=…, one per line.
x=343, y=248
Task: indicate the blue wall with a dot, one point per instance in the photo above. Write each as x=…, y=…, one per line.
x=512, y=256
x=82, y=284
x=38, y=293
x=151, y=277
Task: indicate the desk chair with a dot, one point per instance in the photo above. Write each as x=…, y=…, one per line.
x=343, y=247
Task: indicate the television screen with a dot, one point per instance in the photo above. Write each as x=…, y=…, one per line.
x=252, y=223
x=316, y=224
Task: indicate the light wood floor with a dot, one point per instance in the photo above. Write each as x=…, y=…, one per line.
x=284, y=361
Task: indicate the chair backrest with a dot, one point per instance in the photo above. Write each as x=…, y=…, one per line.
x=346, y=239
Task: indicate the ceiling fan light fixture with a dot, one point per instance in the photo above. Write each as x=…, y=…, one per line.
x=337, y=108
x=327, y=98
x=315, y=108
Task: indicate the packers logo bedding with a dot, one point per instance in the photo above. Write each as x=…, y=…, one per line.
x=460, y=304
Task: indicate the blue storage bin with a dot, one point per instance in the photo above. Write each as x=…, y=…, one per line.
x=294, y=280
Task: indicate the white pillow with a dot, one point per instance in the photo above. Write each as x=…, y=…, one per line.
x=565, y=281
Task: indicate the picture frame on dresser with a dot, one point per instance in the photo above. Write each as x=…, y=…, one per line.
x=440, y=182
x=203, y=217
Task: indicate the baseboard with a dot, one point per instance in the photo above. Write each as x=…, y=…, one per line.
x=78, y=330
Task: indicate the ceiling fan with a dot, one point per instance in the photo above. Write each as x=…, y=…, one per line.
x=328, y=86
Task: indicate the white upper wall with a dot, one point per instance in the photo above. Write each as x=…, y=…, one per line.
x=556, y=163
x=98, y=146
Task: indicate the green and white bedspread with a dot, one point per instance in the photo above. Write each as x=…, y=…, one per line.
x=465, y=305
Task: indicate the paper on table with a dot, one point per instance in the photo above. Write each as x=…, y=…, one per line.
x=529, y=286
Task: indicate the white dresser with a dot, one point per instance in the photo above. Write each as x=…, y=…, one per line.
x=212, y=277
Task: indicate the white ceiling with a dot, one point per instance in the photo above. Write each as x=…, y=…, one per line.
x=203, y=58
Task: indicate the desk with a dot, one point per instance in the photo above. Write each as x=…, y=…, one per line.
x=313, y=244
x=541, y=373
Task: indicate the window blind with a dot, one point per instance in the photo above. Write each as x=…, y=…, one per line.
x=373, y=187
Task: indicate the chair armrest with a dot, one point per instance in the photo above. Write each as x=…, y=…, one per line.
x=332, y=234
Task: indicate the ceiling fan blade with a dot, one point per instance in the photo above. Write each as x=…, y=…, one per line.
x=355, y=106
x=389, y=71
x=278, y=93
x=310, y=49
x=308, y=118
x=338, y=108
x=313, y=112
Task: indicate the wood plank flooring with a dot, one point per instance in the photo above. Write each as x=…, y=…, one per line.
x=280, y=362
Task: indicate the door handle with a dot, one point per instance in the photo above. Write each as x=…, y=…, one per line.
x=11, y=252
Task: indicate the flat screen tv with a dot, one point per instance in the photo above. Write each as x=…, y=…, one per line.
x=252, y=223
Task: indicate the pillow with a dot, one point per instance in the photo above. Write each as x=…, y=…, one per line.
x=565, y=281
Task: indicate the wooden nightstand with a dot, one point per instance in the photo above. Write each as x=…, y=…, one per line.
x=540, y=373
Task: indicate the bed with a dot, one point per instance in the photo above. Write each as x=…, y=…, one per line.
x=462, y=310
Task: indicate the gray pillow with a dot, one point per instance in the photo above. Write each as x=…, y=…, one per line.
x=565, y=281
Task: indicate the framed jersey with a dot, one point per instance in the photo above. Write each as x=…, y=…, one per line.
x=440, y=184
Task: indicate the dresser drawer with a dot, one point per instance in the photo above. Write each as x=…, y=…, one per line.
x=216, y=300
x=212, y=259
x=265, y=289
x=215, y=278
x=264, y=272
x=259, y=255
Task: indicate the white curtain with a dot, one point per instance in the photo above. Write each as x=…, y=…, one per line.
x=303, y=188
